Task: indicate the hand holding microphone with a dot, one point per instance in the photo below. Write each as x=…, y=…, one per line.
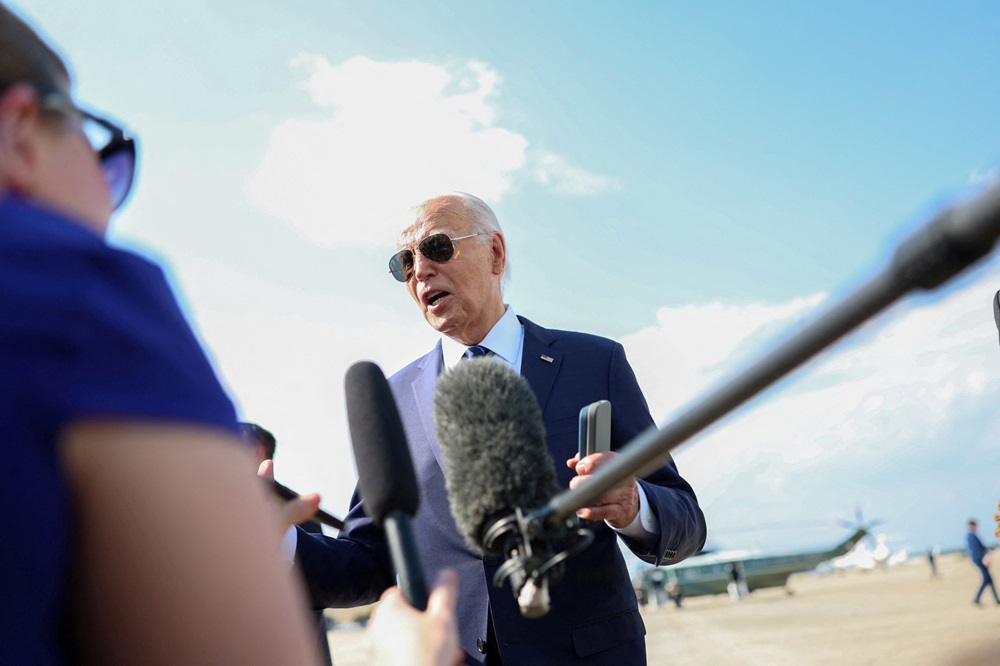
x=400, y=635
x=263, y=444
x=295, y=510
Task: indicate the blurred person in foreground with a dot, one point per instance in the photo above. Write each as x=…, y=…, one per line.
x=452, y=259
x=118, y=438
x=980, y=556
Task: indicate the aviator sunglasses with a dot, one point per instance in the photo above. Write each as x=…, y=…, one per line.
x=439, y=248
x=115, y=150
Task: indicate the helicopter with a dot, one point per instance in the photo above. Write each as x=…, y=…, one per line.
x=717, y=571
x=712, y=572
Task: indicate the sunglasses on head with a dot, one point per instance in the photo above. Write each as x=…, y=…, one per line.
x=439, y=248
x=115, y=150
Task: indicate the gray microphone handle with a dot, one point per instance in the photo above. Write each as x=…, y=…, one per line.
x=948, y=244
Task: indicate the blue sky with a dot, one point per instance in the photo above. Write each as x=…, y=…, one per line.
x=692, y=179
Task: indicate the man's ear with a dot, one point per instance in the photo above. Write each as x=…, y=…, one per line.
x=499, y=249
x=19, y=149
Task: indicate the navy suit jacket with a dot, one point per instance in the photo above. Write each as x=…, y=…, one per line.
x=977, y=551
x=594, y=617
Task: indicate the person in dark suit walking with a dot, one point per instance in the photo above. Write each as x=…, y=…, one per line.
x=980, y=556
x=453, y=260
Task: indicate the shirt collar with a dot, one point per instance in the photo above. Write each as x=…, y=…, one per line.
x=505, y=340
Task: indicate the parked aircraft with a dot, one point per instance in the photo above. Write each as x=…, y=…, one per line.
x=868, y=558
x=711, y=573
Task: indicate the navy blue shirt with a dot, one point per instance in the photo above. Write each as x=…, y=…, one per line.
x=86, y=331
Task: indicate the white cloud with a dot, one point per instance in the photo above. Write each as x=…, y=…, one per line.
x=991, y=175
x=915, y=381
x=564, y=178
x=690, y=346
x=911, y=384
x=287, y=373
x=387, y=135
x=282, y=353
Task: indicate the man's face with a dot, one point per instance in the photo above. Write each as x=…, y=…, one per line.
x=460, y=298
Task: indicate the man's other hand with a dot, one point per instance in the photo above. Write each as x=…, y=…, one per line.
x=619, y=506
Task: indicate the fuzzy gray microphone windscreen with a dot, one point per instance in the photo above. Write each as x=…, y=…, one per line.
x=492, y=443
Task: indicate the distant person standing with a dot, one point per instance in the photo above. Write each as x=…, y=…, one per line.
x=639, y=585
x=932, y=560
x=676, y=593
x=980, y=556
x=737, y=587
x=658, y=581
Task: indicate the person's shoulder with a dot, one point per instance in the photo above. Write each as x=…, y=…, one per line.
x=25, y=227
x=39, y=247
x=414, y=366
x=406, y=370
x=59, y=274
x=568, y=338
x=104, y=321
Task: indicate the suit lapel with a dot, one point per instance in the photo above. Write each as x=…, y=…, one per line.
x=422, y=391
x=539, y=361
x=540, y=364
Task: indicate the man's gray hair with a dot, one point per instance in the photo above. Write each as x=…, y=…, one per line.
x=458, y=206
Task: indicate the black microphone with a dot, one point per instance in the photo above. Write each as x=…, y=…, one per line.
x=386, y=479
x=497, y=468
x=321, y=516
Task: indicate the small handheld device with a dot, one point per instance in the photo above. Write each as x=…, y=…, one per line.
x=595, y=428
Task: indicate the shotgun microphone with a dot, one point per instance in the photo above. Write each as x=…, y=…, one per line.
x=497, y=468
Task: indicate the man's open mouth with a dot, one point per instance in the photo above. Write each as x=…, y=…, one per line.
x=435, y=297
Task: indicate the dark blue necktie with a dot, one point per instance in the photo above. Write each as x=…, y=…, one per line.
x=476, y=351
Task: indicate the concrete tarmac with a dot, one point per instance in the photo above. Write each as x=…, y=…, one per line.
x=894, y=616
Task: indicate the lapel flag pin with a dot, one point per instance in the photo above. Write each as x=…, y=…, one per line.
x=547, y=359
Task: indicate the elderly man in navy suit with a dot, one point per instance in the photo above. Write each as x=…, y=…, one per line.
x=453, y=259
